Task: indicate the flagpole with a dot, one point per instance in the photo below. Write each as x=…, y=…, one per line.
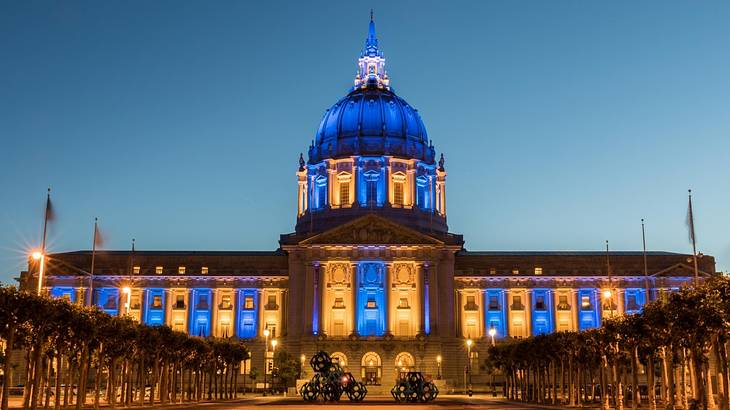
x=646, y=268
x=93, y=259
x=43, y=242
x=694, y=241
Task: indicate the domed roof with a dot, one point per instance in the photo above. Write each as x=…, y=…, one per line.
x=371, y=119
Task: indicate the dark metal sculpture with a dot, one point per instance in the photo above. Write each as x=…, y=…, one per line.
x=330, y=382
x=414, y=388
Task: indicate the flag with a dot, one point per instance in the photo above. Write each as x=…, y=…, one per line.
x=690, y=221
x=98, y=237
x=50, y=214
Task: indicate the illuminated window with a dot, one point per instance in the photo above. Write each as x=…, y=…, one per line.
x=398, y=193
x=585, y=303
x=403, y=303
x=371, y=304
x=156, y=302
x=515, y=271
x=563, y=302
x=272, y=330
x=631, y=303
x=538, y=270
x=225, y=303
x=181, y=270
x=339, y=303
x=204, y=270
x=248, y=302
x=344, y=193
x=136, y=270
x=134, y=302
x=372, y=192
x=158, y=270
x=492, y=271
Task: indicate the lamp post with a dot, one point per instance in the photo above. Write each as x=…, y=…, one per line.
x=274, y=342
x=608, y=296
x=438, y=363
x=492, y=333
x=266, y=357
x=41, y=258
x=469, y=342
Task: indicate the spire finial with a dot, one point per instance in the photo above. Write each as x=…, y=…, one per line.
x=371, y=15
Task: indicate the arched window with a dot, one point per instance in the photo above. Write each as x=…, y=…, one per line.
x=423, y=192
x=339, y=358
x=404, y=363
x=343, y=187
x=372, y=368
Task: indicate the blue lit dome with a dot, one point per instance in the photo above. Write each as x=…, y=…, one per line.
x=371, y=119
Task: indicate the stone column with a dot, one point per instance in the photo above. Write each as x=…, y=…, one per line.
x=426, y=316
x=214, y=312
x=260, y=311
x=575, y=309
x=168, y=307
x=236, y=311
x=355, y=284
x=505, y=315
x=387, y=297
x=316, y=302
x=191, y=311
x=528, y=312
x=421, y=289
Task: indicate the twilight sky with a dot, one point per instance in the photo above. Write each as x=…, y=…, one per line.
x=563, y=123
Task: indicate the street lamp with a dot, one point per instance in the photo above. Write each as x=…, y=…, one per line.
x=274, y=342
x=469, y=342
x=492, y=333
x=608, y=295
x=38, y=256
x=438, y=363
x=266, y=357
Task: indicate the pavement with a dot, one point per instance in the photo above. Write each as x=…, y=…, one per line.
x=370, y=402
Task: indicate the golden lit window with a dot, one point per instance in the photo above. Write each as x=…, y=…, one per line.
x=157, y=301
x=515, y=271
x=225, y=303
x=585, y=302
x=136, y=270
x=403, y=303
x=538, y=270
x=371, y=304
x=248, y=302
x=339, y=303
x=181, y=270
x=398, y=193
x=344, y=193
x=158, y=270
x=204, y=270
x=492, y=271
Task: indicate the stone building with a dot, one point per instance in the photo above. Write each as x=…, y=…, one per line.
x=371, y=272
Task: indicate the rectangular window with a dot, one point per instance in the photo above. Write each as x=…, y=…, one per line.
x=585, y=303
x=181, y=270
x=540, y=302
x=271, y=303
x=248, y=302
x=225, y=303
x=517, y=303
x=403, y=328
x=158, y=270
x=202, y=303
x=631, y=302
x=339, y=328
x=493, y=303
x=398, y=193
x=204, y=270
x=344, y=193
x=372, y=193
x=371, y=304
x=471, y=303
x=339, y=303
x=180, y=302
x=136, y=270
x=134, y=302
x=538, y=270
x=515, y=271
x=403, y=304
x=492, y=271
x=156, y=302
x=563, y=302
x=272, y=330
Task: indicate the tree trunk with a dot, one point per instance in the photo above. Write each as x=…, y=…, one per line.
x=722, y=372
x=57, y=390
x=7, y=370
x=635, y=393
x=571, y=381
x=37, y=376
x=709, y=396
x=83, y=377
x=668, y=379
x=651, y=388
x=604, y=383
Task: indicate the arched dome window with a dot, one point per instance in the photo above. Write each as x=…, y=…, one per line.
x=404, y=363
x=372, y=368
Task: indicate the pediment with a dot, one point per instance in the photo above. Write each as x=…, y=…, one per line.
x=371, y=230
x=679, y=270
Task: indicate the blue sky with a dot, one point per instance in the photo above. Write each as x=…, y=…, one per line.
x=563, y=123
